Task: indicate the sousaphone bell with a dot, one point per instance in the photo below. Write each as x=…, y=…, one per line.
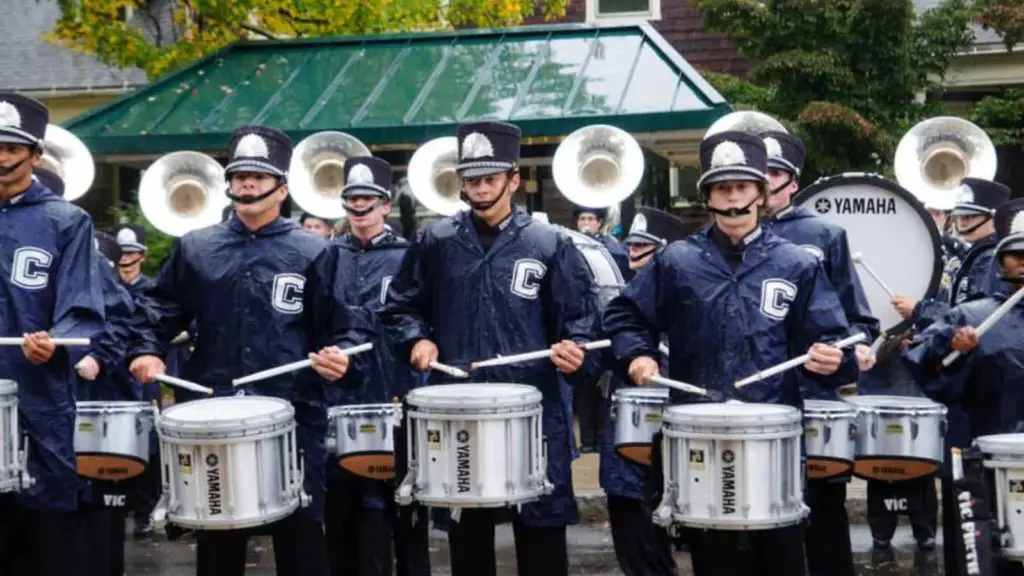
x=67, y=156
x=748, y=121
x=183, y=191
x=598, y=166
x=432, y=178
x=317, y=172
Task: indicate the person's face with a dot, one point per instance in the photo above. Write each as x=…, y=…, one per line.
x=783, y=197
x=1013, y=264
x=967, y=222
x=735, y=194
x=316, y=227
x=372, y=219
x=130, y=265
x=588, y=223
x=940, y=217
x=249, y=184
x=488, y=188
x=12, y=154
x=640, y=254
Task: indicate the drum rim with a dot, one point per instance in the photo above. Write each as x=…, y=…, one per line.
x=363, y=408
x=254, y=423
x=893, y=403
x=647, y=393
x=419, y=398
x=1002, y=443
x=8, y=385
x=803, y=196
x=680, y=415
x=86, y=406
x=829, y=407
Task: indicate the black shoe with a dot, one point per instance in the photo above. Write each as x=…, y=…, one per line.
x=926, y=544
x=882, y=544
x=144, y=529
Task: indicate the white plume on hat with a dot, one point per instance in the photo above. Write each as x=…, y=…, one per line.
x=639, y=224
x=126, y=236
x=728, y=153
x=966, y=195
x=476, y=145
x=773, y=147
x=1017, y=224
x=360, y=174
x=9, y=115
x=252, y=146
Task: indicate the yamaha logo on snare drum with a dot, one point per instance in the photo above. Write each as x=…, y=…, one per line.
x=464, y=470
x=728, y=482
x=215, y=497
x=856, y=205
x=462, y=436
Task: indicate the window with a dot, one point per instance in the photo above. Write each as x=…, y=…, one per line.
x=610, y=10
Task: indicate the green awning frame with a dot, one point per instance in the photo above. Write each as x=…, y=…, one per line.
x=398, y=91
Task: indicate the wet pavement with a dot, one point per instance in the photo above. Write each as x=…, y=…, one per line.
x=590, y=551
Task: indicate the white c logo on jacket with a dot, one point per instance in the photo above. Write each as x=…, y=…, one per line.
x=287, y=297
x=776, y=296
x=29, y=269
x=526, y=276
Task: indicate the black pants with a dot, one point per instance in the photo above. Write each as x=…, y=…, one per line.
x=37, y=543
x=915, y=498
x=778, y=552
x=827, y=538
x=539, y=551
x=299, y=548
x=641, y=548
x=101, y=541
x=147, y=492
x=589, y=402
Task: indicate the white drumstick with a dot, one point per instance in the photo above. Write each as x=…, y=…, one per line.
x=292, y=367
x=876, y=345
x=56, y=341
x=172, y=381
x=679, y=385
x=988, y=322
x=794, y=362
x=663, y=348
x=859, y=259
x=449, y=370
x=503, y=360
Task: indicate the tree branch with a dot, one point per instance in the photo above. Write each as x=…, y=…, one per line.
x=259, y=31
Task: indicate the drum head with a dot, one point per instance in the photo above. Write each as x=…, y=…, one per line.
x=728, y=414
x=227, y=412
x=827, y=407
x=890, y=228
x=645, y=393
x=483, y=395
x=603, y=268
x=8, y=386
x=1003, y=444
x=893, y=402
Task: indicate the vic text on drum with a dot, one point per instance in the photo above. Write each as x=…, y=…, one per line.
x=734, y=299
x=485, y=282
x=47, y=256
x=249, y=285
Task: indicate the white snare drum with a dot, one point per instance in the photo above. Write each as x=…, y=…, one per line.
x=112, y=439
x=230, y=462
x=363, y=438
x=898, y=437
x=732, y=466
x=475, y=446
x=830, y=438
x=637, y=415
x=1004, y=454
x=12, y=456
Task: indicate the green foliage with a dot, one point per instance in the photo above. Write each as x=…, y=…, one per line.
x=1002, y=117
x=158, y=245
x=166, y=35
x=1004, y=17
x=843, y=74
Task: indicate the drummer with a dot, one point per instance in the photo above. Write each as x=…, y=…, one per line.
x=641, y=547
x=699, y=291
x=985, y=380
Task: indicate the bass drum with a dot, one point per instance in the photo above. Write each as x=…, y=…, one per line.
x=891, y=230
x=602, y=266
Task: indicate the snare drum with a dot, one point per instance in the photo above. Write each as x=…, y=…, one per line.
x=830, y=438
x=112, y=439
x=637, y=416
x=898, y=437
x=475, y=446
x=363, y=438
x=12, y=458
x=1004, y=454
x=230, y=463
x=732, y=467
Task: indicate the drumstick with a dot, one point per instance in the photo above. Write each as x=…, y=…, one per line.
x=679, y=385
x=449, y=370
x=503, y=360
x=56, y=341
x=172, y=381
x=988, y=322
x=292, y=367
x=876, y=345
x=859, y=259
x=794, y=362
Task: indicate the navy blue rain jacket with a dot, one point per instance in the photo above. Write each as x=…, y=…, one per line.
x=725, y=325
x=529, y=291
x=976, y=278
x=257, y=303
x=47, y=258
x=829, y=243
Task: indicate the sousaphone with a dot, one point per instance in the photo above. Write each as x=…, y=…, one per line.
x=598, y=166
x=182, y=192
x=67, y=156
x=748, y=121
x=432, y=179
x=317, y=172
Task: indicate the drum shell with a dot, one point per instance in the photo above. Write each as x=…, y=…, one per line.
x=476, y=457
x=112, y=439
x=734, y=476
x=362, y=436
x=1004, y=455
x=830, y=438
x=241, y=474
x=898, y=438
x=637, y=414
x=11, y=465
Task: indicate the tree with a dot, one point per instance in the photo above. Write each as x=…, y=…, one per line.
x=1004, y=17
x=844, y=74
x=1002, y=115
x=165, y=34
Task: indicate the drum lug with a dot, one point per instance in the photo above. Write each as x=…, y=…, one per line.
x=351, y=429
x=27, y=481
x=663, y=513
x=304, y=499
x=613, y=412
x=913, y=429
x=636, y=419
x=403, y=495
x=331, y=444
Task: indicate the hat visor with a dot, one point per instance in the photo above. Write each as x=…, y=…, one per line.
x=352, y=190
x=971, y=210
x=641, y=238
x=254, y=166
x=11, y=138
x=731, y=173
x=132, y=248
x=782, y=164
x=481, y=169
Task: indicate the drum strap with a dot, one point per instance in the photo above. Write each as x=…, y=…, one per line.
x=976, y=551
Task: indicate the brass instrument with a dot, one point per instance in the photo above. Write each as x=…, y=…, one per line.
x=67, y=156
x=432, y=178
x=598, y=166
x=316, y=174
x=748, y=121
x=183, y=191
x=937, y=153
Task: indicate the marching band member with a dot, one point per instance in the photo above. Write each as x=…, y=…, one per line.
x=829, y=551
x=52, y=290
x=493, y=281
x=589, y=221
x=249, y=286
x=361, y=521
x=733, y=300
x=985, y=380
x=641, y=548
x=977, y=277
x=316, y=225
